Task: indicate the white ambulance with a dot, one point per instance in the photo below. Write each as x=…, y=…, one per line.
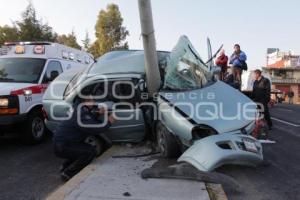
x=26, y=69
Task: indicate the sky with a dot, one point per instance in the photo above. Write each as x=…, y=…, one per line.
x=255, y=24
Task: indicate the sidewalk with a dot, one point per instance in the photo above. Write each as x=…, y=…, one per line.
x=119, y=178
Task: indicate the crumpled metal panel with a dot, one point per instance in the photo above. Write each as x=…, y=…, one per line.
x=185, y=69
x=218, y=105
x=207, y=154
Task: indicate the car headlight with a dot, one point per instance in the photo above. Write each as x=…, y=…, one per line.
x=9, y=105
x=4, y=102
x=202, y=131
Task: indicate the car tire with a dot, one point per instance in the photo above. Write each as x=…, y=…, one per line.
x=35, y=128
x=166, y=142
x=97, y=143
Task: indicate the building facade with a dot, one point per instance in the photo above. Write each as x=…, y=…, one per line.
x=284, y=71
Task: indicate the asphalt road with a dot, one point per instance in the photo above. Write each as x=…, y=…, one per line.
x=31, y=172
x=279, y=177
x=27, y=172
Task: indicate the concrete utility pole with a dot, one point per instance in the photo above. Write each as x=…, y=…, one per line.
x=151, y=61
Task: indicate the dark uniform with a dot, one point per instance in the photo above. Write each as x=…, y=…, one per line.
x=262, y=94
x=69, y=140
x=230, y=81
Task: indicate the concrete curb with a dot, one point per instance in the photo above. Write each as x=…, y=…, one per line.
x=215, y=191
x=69, y=186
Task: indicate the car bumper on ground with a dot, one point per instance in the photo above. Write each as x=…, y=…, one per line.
x=212, y=152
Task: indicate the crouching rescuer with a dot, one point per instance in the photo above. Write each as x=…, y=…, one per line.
x=85, y=119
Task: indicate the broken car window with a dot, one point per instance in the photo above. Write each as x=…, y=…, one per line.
x=185, y=69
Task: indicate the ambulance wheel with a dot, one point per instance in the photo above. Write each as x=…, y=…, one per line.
x=35, y=128
x=166, y=142
x=97, y=143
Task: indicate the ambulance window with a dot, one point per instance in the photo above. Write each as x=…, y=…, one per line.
x=52, y=67
x=23, y=70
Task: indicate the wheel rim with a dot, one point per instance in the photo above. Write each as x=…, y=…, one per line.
x=37, y=127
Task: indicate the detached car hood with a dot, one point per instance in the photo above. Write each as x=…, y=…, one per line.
x=218, y=105
x=7, y=88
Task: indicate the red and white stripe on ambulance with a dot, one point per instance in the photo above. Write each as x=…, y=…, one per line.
x=30, y=97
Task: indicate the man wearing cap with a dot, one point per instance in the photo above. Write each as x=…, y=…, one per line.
x=262, y=94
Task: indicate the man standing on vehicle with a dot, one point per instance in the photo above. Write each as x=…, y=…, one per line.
x=222, y=62
x=262, y=94
x=238, y=62
x=69, y=136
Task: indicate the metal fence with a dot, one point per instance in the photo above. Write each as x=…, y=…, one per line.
x=286, y=81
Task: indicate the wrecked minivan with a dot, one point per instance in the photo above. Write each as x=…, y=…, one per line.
x=193, y=114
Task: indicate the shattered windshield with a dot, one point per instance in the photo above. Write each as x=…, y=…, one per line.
x=186, y=70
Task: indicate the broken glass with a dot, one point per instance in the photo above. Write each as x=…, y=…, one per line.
x=185, y=69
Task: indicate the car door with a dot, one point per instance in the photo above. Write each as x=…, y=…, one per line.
x=129, y=124
x=123, y=95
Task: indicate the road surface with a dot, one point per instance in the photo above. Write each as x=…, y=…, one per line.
x=279, y=178
x=31, y=172
x=27, y=172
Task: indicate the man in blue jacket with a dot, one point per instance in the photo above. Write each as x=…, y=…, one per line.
x=70, y=135
x=238, y=62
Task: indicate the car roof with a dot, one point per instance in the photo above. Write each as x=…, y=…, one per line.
x=126, y=61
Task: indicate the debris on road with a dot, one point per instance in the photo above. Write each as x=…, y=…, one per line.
x=267, y=142
x=184, y=171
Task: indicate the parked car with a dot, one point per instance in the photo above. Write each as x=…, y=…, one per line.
x=182, y=115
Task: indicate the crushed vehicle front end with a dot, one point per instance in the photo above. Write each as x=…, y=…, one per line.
x=210, y=119
x=212, y=140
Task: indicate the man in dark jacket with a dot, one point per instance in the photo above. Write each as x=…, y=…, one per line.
x=70, y=135
x=262, y=94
